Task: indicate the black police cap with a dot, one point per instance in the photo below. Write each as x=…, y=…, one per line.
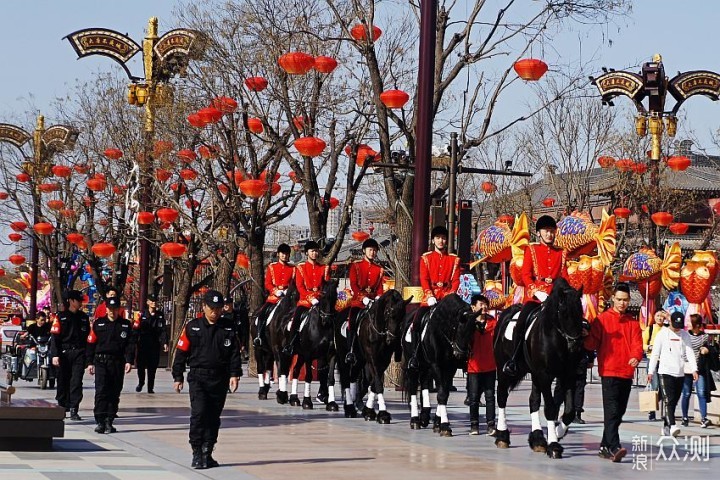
x=152, y=297
x=214, y=299
x=73, y=295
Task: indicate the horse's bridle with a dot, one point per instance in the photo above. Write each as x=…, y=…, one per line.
x=453, y=344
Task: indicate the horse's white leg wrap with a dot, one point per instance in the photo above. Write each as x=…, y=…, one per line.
x=501, y=421
x=535, y=419
x=348, y=397
x=413, y=406
x=426, y=398
x=381, y=402
x=370, y=401
x=306, y=393
x=261, y=381
x=267, y=377
x=293, y=389
x=282, y=383
x=552, y=434
x=561, y=430
x=353, y=392
x=441, y=411
x=331, y=393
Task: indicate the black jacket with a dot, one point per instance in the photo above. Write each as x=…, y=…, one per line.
x=111, y=338
x=69, y=331
x=153, y=329
x=208, y=346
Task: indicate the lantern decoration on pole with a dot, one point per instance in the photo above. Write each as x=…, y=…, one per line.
x=622, y=212
x=113, y=153
x=325, y=64
x=310, y=146
x=679, y=163
x=256, y=84
x=296, y=63
x=394, y=99
x=168, y=215
x=173, y=249
x=679, y=228
x=187, y=155
x=16, y=259
x=360, y=236
x=662, y=219
x=488, y=187
x=606, y=161
x=18, y=226
x=359, y=33
x=15, y=237
x=255, y=125
x=253, y=188
x=62, y=171
x=145, y=218
x=225, y=104
x=530, y=69
x=103, y=250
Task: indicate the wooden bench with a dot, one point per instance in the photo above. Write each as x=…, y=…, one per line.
x=28, y=425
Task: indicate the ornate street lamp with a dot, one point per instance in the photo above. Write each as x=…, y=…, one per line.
x=163, y=58
x=45, y=143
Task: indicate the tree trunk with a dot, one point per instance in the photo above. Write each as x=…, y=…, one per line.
x=256, y=295
x=181, y=303
x=223, y=274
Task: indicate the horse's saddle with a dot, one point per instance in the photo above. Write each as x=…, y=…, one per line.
x=362, y=315
x=529, y=323
x=423, y=325
x=303, y=320
x=270, y=315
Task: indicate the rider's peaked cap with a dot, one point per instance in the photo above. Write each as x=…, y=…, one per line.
x=370, y=242
x=311, y=245
x=284, y=248
x=73, y=295
x=545, y=222
x=214, y=299
x=439, y=231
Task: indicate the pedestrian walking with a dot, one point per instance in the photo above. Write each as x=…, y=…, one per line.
x=706, y=356
x=110, y=353
x=68, y=341
x=208, y=345
x=617, y=339
x=662, y=318
x=152, y=338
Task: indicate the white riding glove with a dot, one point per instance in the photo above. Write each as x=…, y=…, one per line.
x=542, y=296
x=431, y=301
x=366, y=301
x=279, y=293
x=314, y=301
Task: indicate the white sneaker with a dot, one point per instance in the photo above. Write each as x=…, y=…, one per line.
x=674, y=430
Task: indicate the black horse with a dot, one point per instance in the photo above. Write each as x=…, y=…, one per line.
x=379, y=338
x=443, y=348
x=552, y=352
x=264, y=357
x=315, y=342
x=350, y=375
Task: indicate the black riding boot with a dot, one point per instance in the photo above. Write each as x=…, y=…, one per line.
x=74, y=415
x=350, y=357
x=109, y=426
x=290, y=347
x=207, y=450
x=198, y=460
x=510, y=367
x=414, y=345
x=257, y=341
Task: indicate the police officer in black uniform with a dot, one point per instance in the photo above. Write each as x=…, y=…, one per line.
x=110, y=353
x=209, y=347
x=67, y=348
x=152, y=337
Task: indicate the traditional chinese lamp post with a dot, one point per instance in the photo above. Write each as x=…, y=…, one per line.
x=45, y=143
x=163, y=58
x=652, y=84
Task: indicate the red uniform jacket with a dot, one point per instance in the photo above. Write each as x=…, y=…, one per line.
x=439, y=275
x=278, y=276
x=482, y=358
x=541, y=265
x=616, y=338
x=310, y=279
x=366, y=280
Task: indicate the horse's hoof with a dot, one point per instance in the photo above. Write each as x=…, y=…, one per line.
x=425, y=416
x=294, y=400
x=502, y=439
x=307, y=403
x=415, y=423
x=281, y=397
x=436, y=424
x=445, y=430
x=332, y=407
x=350, y=411
x=369, y=414
x=555, y=450
x=384, y=417
x=262, y=394
x=537, y=441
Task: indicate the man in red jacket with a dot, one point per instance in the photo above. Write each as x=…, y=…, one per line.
x=278, y=276
x=543, y=263
x=617, y=338
x=481, y=367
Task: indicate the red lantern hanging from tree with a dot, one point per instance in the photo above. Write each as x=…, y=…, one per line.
x=264, y=174
x=16, y=259
x=662, y=219
x=296, y=63
x=488, y=187
x=68, y=213
x=275, y=188
x=49, y=187
x=310, y=146
x=256, y=84
x=333, y=203
x=55, y=204
x=81, y=168
x=173, y=249
x=359, y=33
x=210, y=115
x=299, y=122
x=195, y=120
x=394, y=98
x=4, y=195
x=15, y=237
x=187, y=155
x=255, y=125
x=679, y=228
x=360, y=236
x=162, y=175
x=325, y=64
x=679, y=163
x=606, y=161
x=62, y=171
x=192, y=203
x=225, y=104
x=188, y=174
x=625, y=165
x=43, y=228
x=113, y=153
x=293, y=176
x=175, y=187
x=97, y=184
x=103, y=250
x=208, y=152
x=22, y=177
x=548, y=202
x=18, y=226
x=74, y=238
x=640, y=168
x=253, y=188
x=168, y=215
x=530, y=69
x=622, y=212
x=145, y=218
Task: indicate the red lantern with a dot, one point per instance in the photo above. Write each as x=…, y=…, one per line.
x=15, y=237
x=113, y=153
x=210, y=115
x=2, y=272
x=16, y=259
x=225, y=104
x=82, y=245
x=549, y=202
x=162, y=175
x=530, y=69
x=606, y=161
x=509, y=219
x=97, y=184
x=679, y=228
x=360, y=236
x=256, y=84
x=68, y=213
x=640, y=168
x=334, y=202
x=488, y=187
x=103, y=250
x=207, y=152
x=187, y=155
x=237, y=176
x=242, y=261
x=255, y=125
x=162, y=147
x=253, y=188
x=188, y=174
x=394, y=98
x=18, y=226
x=192, y=203
x=145, y=218
x=622, y=212
x=274, y=188
x=310, y=146
x=679, y=164
x=4, y=195
x=296, y=63
x=56, y=204
x=82, y=169
x=196, y=121
x=359, y=33
x=662, y=219
x=325, y=64
x=293, y=176
x=264, y=174
x=62, y=171
x=299, y=122
x=43, y=228
x=22, y=177
x=364, y=152
x=625, y=165
x=173, y=249
x=74, y=238
x=49, y=187
x=168, y=215
x=178, y=187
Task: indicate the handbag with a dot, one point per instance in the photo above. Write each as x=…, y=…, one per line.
x=648, y=399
